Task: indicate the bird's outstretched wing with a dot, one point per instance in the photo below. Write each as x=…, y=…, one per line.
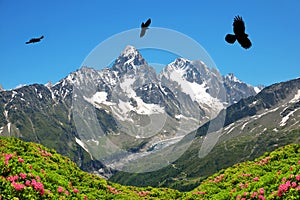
x=238, y=26
x=230, y=38
x=148, y=22
x=34, y=40
x=245, y=42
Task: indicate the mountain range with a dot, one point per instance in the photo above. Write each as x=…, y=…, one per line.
x=252, y=126
x=117, y=100
x=105, y=120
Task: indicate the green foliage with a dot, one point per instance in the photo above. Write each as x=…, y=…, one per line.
x=275, y=175
x=31, y=171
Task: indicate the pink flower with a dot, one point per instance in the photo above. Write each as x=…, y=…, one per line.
x=288, y=183
x=255, y=179
x=283, y=179
x=298, y=188
x=254, y=194
x=283, y=187
x=75, y=190
x=22, y=175
x=12, y=178
x=247, y=175
x=30, y=166
x=238, y=197
x=294, y=184
x=60, y=189
x=291, y=168
x=42, y=191
x=20, y=160
x=279, y=193
x=38, y=178
x=299, y=162
x=279, y=172
x=241, y=185
x=85, y=197
x=67, y=192
x=27, y=183
x=298, y=177
x=39, y=186
x=245, y=194
x=7, y=157
x=261, y=191
x=18, y=186
x=261, y=197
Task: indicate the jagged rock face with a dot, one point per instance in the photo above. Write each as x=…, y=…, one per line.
x=236, y=89
x=252, y=126
x=122, y=98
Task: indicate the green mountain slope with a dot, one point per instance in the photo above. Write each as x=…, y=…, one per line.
x=275, y=175
x=252, y=126
x=31, y=171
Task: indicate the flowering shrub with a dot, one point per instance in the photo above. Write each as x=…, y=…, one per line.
x=30, y=171
x=264, y=178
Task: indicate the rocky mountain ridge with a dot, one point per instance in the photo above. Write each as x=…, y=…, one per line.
x=126, y=98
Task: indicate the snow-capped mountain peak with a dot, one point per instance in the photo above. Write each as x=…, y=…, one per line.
x=129, y=61
x=130, y=51
x=232, y=78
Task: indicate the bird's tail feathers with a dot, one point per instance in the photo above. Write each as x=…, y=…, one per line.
x=230, y=38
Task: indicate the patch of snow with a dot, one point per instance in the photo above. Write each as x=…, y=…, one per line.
x=126, y=86
x=95, y=141
x=256, y=89
x=233, y=78
x=267, y=112
x=20, y=86
x=244, y=125
x=253, y=103
x=6, y=113
x=14, y=93
x=296, y=97
x=228, y=127
x=80, y=143
x=197, y=92
x=101, y=98
x=286, y=118
x=129, y=61
x=178, y=116
x=231, y=130
x=8, y=127
x=129, y=50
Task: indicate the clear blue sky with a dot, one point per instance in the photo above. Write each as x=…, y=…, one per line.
x=73, y=28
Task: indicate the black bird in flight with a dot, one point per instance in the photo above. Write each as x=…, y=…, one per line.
x=239, y=33
x=34, y=40
x=144, y=27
